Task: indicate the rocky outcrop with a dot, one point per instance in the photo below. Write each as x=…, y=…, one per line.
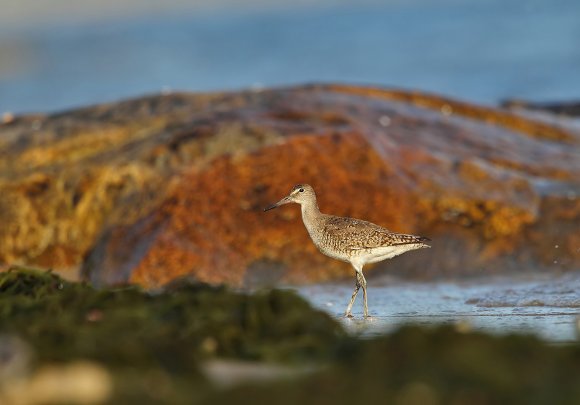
x=567, y=109
x=150, y=189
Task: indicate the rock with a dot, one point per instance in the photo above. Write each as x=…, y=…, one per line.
x=430, y=366
x=177, y=325
x=150, y=189
x=147, y=347
x=79, y=382
x=569, y=109
x=191, y=343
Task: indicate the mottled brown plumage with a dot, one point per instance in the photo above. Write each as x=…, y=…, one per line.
x=351, y=240
x=357, y=234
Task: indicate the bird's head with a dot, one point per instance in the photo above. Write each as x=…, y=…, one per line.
x=300, y=194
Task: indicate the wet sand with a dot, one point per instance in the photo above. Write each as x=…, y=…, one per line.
x=548, y=307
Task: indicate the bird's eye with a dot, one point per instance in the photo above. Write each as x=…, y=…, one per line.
x=301, y=190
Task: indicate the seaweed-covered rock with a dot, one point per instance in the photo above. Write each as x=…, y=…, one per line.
x=438, y=366
x=151, y=189
x=66, y=342
x=158, y=337
x=67, y=319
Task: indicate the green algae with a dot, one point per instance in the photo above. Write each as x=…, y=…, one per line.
x=178, y=326
x=135, y=333
x=154, y=345
x=432, y=366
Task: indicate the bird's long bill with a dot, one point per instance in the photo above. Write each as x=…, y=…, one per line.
x=283, y=201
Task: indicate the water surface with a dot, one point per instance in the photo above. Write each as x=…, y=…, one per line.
x=481, y=51
x=546, y=306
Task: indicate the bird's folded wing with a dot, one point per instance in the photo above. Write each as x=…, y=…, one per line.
x=356, y=234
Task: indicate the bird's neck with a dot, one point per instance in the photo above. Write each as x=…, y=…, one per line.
x=310, y=212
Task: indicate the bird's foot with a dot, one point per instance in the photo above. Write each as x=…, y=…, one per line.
x=348, y=315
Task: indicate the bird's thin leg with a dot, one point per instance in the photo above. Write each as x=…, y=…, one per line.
x=348, y=312
x=363, y=283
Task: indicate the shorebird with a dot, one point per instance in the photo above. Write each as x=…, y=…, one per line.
x=351, y=240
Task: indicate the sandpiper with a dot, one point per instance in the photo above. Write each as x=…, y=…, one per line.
x=351, y=240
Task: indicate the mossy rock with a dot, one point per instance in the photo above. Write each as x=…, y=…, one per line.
x=415, y=365
x=155, y=344
x=135, y=333
x=188, y=322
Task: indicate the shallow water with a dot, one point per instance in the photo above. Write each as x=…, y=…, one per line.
x=546, y=307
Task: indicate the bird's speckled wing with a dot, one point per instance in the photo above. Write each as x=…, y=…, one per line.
x=355, y=234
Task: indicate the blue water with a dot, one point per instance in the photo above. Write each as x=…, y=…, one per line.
x=481, y=51
x=547, y=306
